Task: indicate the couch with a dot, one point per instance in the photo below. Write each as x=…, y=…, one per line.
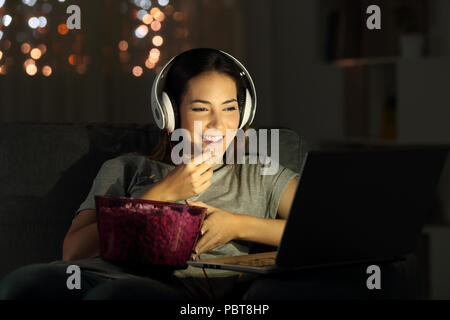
x=46, y=171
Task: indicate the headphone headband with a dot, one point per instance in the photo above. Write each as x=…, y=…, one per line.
x=161, y=104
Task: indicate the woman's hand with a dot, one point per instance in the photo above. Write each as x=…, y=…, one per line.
x=185, y=180
x=219, y=227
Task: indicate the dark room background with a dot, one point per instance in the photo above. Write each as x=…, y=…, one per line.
x=317, y=69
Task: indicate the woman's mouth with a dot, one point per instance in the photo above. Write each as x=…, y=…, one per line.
x=212, y=139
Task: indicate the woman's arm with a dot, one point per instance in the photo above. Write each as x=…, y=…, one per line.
x=267, y=231
x=221, y=226
x=82, y=241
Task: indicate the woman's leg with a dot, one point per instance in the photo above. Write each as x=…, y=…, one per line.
x=45, y=281
x=137, y=289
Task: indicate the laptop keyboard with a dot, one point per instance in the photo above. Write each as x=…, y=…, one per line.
x=256, y=262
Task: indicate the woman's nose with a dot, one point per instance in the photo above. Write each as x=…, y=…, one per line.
x=216, y=121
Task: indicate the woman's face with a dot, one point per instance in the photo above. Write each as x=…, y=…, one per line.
x=211, y=98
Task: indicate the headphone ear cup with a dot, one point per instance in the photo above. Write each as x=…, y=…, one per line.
x=158, y=114
x=168, y=108
x=247, y=109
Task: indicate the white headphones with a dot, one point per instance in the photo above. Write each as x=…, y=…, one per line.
x=162, y=108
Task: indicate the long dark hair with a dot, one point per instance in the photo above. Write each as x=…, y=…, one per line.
x=186, y=66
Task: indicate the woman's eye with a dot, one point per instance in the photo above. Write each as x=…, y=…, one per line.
x=204, y=109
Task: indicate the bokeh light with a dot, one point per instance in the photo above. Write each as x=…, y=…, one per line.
x=43, y=48
x=149, y=64
x=157, y=41
x=137, y=71
x=156, y=25
x=31, y=69
x=46, y=71
x=25, y=47
x=35, y=53
x=7, y=20
x=163, y=3
x=159, y=16
x=141, y=31
x=147, y=19
x=28, y=62
x=42, y=22
x=63, y=29
x=123, y=45
x=33, y=22
x=1, y=54
x=153, y=11
x=169, y=10
x=154, y=53
x=178, y=16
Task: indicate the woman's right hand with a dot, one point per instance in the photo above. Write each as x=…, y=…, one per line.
x=187, y=179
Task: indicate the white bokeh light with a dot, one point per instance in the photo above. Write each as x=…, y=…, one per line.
x=163, y=3
x=6, y=20
x=29, y=3
x=33, y=22
x=42, y=22
x=141, y=31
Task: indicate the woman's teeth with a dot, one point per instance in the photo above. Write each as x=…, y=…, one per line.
x=212, y=138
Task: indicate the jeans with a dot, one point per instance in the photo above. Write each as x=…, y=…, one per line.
x=399, y=280
x=46, y=281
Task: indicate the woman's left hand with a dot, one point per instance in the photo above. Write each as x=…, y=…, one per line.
x=219, y=227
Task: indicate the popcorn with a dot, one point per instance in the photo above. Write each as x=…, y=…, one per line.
x=147, y=232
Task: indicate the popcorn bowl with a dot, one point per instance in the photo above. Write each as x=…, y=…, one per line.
x=137, y=232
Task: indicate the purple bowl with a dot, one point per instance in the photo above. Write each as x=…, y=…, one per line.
x=146, y=232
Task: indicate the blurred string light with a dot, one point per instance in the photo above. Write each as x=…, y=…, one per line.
x=33, y=27
x=146, y=35
x=6, y=20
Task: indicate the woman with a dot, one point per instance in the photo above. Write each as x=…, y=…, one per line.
x=244, y=207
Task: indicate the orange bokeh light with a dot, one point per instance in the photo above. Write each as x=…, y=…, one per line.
x=43, y=48
x=28, y=62
x=46, y=71
x=147, y=19
x=63, y=29
x=123, y=45
x=156, y=25
x=154, y=53
x=137, y=71
x=157, y=41
x=169, y=9
x=74, y=59
x=35, y=53
x=154, y=10
x=25, y=47
x=149, y=64
x=178, y=16
x=159, y=16
x=31, y=69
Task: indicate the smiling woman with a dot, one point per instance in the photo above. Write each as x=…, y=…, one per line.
x=244, y=207
x=203, y=85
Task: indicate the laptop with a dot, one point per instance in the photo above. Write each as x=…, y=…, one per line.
x=350, y=207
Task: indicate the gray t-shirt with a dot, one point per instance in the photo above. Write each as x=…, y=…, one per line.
x=238, y=188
